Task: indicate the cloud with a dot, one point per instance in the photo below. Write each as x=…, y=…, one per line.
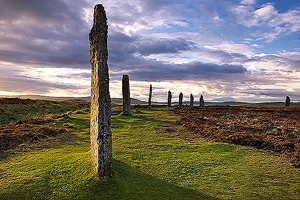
x=44, y=33
x=158, y=71
x=119, y=37
x=274, y=93
x=163, y=46
x=130, y=16
x=51, y=59
x=283, y=61
x=12, y=80
x=198, y=44
x=130, y=50
x=154, y=5
x=227, y=52
x=224, y=99
x=248, y=2
x=272, y=23
x=256, y=45
x=266, y=12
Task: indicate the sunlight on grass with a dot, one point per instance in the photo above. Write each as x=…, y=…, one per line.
x=152, y=159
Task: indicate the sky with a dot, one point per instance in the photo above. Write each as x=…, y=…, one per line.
x=245, y=50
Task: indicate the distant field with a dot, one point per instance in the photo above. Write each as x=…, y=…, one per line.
x=13, y=109
x=174, y=102
x=113, y=100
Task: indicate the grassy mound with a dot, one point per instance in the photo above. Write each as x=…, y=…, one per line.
x=25, y=131
x=13, y=109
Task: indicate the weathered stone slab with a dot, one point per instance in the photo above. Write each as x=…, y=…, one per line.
x=169, y=99
x=201, y=103
x=180, y=98
x=150, y=96
x=287, y=101
x=100, y=127
x=126, y=95
x=191, y=100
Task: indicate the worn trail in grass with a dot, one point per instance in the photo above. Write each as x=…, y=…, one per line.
x=150, y=161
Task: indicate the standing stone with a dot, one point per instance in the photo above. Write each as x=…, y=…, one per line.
x=201, y=101
x=169, y=98
x=180, y=98
x=100, y=127
x=191, y=100
x=150, y=96
x=287, y=101
x=126, y=95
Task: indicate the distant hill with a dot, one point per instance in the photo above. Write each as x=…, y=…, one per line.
x=133, y=101
x=88, y=98
x=47, y=97
x=227, y=103
x=136, y=101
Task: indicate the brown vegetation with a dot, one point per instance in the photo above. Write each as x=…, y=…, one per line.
x=271, y=128
x=26, y=130
x=13, y=109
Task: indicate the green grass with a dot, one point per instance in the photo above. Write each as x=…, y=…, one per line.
x=149, y=162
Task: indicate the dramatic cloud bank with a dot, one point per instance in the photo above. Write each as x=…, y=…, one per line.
x=224, y=50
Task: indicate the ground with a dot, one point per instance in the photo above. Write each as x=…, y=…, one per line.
x=153, y=158
x=27, y=131
x=275, y=129
x=30, y=120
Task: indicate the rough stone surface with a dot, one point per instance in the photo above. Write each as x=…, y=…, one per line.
x=180, y=98
x=169, y=99
x=201, y=103
x=287, y=101
x=100, y=127
x=126, y=95
x=191, y=100
x=150, y=96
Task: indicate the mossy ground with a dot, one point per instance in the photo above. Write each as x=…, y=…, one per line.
x=152, y=159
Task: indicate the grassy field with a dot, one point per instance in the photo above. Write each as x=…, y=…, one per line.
x=152, y=159
x=13, y=109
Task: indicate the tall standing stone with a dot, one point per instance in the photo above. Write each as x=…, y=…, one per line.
x=150, y=96
x=191, y=100
x=100, y=127
x=169, y=99
x=287, y=101
x=126, y=94
x=180, y=98
x=201, y=101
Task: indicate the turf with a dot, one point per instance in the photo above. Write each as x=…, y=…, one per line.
x=153, y=158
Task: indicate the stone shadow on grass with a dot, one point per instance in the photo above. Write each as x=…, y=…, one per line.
x=130, y=183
